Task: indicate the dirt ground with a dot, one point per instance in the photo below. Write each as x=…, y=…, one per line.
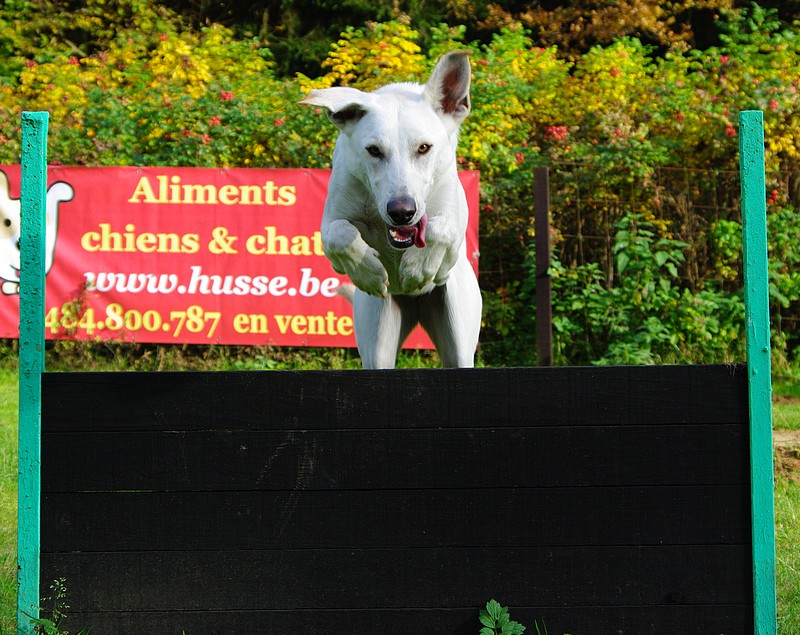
x=787, y=453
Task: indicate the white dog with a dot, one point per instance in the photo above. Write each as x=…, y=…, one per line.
x=9, y=231
x=396, y=214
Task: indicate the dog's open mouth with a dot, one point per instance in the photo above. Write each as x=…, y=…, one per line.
x=405, y=236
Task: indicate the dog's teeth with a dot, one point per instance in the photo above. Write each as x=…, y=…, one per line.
x=399, y=235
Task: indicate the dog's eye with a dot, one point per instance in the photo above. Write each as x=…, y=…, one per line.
x=423, y=148
x=7, y=222
x=374, y=151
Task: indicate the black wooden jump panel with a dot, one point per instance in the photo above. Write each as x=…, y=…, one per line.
x=595, y=500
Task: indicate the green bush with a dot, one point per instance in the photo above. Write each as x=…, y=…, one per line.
x=644, y=316
x=632, y=136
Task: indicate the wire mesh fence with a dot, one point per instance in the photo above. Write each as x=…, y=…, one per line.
x=684, y=204
x=589, y=204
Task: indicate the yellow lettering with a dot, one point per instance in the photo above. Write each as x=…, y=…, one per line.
x=201, y=194
x=287, y=195
x=344, y=325
x=316, y=325
x=283, y=322
x=241, y=323
x=172, y=191
x=89, y=240
x=255, y=244
x=143, y=189
x=327, y=324
x=229, y=195
x=168, y=243
x=301, y=246
x=274, y=239
x=271, y=243
x=299, y=324
x=269, y=192
x=190, y=244
x=107, y=240
x=250, y=323
x=147, y=243
x=251, y=195
x=317, y=240
x=258, y=323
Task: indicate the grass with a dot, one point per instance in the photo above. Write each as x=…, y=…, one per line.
x=787, y=547
x=8, y=500
x=786, y=414
x=787, y=491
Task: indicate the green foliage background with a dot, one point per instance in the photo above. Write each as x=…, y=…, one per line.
x=639, y=132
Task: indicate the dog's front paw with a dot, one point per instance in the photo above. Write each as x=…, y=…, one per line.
x=350, y=255
x=369, y=274
x=419, y=270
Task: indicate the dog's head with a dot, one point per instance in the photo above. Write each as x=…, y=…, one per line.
x=10, y=229
x=400, y=140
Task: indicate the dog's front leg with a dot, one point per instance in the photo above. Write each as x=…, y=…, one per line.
x=351, y=255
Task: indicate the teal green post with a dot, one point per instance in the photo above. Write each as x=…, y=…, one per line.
x=31, y=359
x=756, y=290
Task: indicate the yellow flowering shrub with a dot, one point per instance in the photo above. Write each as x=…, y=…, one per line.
x=370, y=57
x=516, y=97
x=58, y=87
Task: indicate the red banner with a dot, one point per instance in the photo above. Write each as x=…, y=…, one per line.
x=187, y=255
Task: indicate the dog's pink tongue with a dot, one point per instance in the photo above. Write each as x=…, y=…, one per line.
x=419, y=236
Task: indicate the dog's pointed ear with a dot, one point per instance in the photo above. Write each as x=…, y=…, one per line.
x=448, y=87
x=344, y=105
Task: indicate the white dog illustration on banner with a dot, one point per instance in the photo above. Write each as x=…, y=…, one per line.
x=9, y=231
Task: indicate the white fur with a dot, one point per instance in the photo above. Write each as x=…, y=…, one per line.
x=9, y=231
x=398, y=144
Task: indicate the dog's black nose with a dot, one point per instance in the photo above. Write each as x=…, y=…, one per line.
x=401, y=209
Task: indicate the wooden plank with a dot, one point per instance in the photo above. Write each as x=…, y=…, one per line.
x=618, y=492
x=425, y=398
x=33, y=210
x=687, y=620
x=391, y=459
x=92, y=522
x=756, y=291
x=404, y=578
